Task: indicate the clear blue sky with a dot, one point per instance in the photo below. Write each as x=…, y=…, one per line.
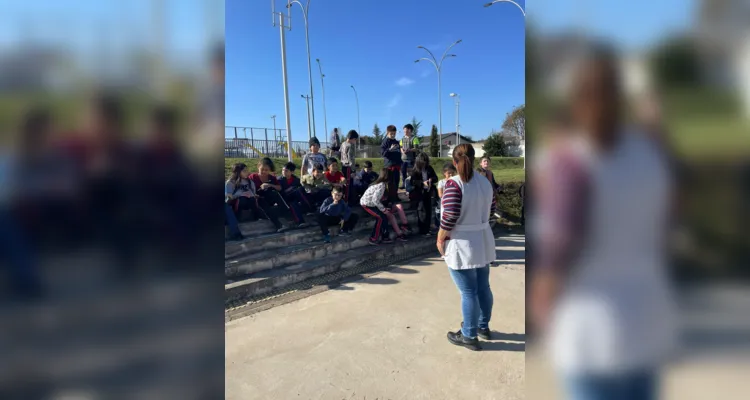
x=372, y=45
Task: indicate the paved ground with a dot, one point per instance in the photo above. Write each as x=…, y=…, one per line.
x=383, y=338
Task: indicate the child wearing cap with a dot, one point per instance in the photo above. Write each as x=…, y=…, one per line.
x=313, y=157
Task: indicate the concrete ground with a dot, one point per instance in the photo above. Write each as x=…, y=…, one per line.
x=383, y=337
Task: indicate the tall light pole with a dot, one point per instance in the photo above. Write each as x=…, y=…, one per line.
x=323, y=86
x=305, y=12
x=439, y=67
x=458, y=125
x=307, y=101
x=524, y=15
x=282, y=29
x=507, y=1
x=356, y=97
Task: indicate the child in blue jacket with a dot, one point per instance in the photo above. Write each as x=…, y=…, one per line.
x=335, y=211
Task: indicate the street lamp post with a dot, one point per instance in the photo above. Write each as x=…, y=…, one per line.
x=458, y=125
x=323, y=86
x=307, y=103
x=439, y=67
x=356, y=97
x=524, y=15
x=507, y=1
x=282, y=29
x=305, y=12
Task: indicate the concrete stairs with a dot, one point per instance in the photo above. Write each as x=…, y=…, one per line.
x=266, y=261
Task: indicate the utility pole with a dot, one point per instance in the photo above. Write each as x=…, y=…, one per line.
x=282, y=29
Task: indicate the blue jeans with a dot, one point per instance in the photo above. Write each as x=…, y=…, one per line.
x=231, y=219
x=476, y=298
x=636, y=385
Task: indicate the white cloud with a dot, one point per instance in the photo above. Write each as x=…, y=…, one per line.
x=395, y=101
x=404, y=81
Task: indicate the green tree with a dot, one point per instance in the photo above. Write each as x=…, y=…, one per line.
x=515, y=121
x=495, y=146
x=416, y=124
x=377, y=135
x=434, y=142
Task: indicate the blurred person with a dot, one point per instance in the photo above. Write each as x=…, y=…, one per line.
x=372, y=202
x=241, y=193
x=467, y=244
x=600, y=293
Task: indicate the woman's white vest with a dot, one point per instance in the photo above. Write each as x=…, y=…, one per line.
x=472, y=244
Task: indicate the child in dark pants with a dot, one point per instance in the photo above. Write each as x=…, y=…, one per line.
x=335, y=211
x=291, y=188
x=391, y=152
x=240, y=193
x=269, y=192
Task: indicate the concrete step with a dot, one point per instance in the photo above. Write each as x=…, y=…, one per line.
x=293, y=237
x=276, y=258
x=262, y=282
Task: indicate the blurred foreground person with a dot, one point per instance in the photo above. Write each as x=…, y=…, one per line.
x=600, y=292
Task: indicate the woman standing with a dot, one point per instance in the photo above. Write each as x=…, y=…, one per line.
x=467, y=244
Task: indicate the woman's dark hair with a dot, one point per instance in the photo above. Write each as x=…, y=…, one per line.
x=235, y=175
x=449, y=167
x=420, y=165
x=384, y=177
x=463, y=158
x=290, y=166
x=268, y=163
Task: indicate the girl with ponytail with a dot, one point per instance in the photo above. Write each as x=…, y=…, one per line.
x=467, y=244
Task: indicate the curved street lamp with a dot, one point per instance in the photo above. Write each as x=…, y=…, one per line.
x=305, y=12
x=507, y=1
x=439, y=67
x=356, y=97
x=323, y=86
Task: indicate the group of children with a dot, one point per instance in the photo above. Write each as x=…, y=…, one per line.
x=329, y=188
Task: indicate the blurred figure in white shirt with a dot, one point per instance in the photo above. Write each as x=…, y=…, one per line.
x=600, y=293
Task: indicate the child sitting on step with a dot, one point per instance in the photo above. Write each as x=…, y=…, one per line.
x=269, y=192
x=335, y=211
x=316, y=185
x=372, y=203
x=291, y=188
x=240, y=193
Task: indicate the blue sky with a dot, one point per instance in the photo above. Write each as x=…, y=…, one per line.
x=634, y=24
x=372, y=45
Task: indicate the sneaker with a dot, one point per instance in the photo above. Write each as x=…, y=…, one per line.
x=373, y=242
x=401, y=238
x=387, y=241
x=236, y=237
x=303, y=225
x=459, y=339
x=483, y=333
x=327, y=238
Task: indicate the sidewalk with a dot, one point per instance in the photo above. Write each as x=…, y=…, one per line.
x=383, y=337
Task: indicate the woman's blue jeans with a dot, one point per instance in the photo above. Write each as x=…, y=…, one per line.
x=476, y=298
x=641, y=385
